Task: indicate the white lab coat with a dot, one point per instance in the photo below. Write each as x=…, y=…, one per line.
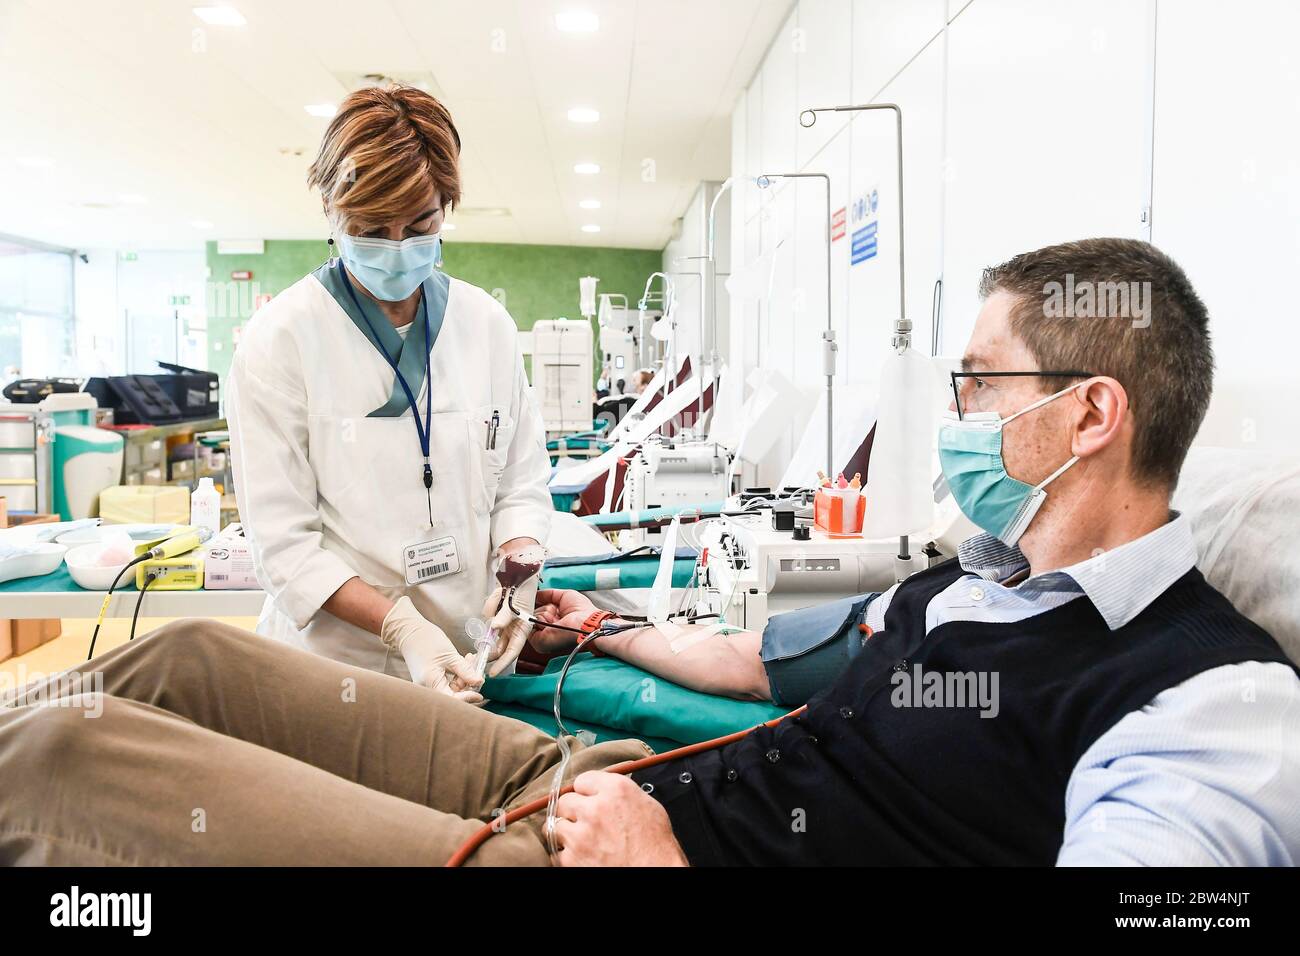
x=326, y=494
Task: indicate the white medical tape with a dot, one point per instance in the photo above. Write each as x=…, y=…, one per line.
x=661, y=593
x=690, y=637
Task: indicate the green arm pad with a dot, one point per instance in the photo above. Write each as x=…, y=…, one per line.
x=611, y=693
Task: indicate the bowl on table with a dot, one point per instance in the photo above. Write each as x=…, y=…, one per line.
x=29, y=560
x=87, y=569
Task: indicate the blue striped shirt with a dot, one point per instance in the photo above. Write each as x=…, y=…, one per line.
x=1207, y=773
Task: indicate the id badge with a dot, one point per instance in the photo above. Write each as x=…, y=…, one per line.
x=430, y=560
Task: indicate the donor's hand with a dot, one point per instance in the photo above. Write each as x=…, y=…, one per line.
x=566, y=608
x=607, y=820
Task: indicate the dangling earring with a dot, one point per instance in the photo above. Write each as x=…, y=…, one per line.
x=329, y=241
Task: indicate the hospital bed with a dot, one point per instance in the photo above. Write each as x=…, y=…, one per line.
x=1244, y=508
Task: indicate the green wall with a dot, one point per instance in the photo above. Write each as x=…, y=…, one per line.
x=533, y=282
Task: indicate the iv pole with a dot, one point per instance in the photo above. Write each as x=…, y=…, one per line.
x=669, y=294
x=902, y=325
x=699, y=370
x=709, y=282
x=829, y=347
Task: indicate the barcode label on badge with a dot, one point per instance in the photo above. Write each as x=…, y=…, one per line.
x=429, y=560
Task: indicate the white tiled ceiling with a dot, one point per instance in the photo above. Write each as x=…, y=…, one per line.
x=126, y=122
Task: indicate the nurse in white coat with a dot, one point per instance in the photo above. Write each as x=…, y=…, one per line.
x=386, y=448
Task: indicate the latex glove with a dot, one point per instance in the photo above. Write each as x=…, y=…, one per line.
x=517, y=565
x=512, y=630
x=429, y=654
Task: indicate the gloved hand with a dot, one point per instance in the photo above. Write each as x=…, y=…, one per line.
x=429, y=654
x=517, y=567
x=512, y=630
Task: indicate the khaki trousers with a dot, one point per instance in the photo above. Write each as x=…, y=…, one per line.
x=205, y=744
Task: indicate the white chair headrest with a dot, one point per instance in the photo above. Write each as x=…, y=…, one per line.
x=1244, y=508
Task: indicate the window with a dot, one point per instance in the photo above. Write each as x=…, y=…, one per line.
x=37, y=337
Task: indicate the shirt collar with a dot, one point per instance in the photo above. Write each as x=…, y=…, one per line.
x=1120, y=582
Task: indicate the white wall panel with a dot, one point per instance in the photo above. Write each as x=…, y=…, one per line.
x=886, y=35
x=808, y=312
x=1226, y=201
x=873, y=283
x=824, y=46
x=776, y=332
x=1046, y=133
x=780, y=114
x=754, y=148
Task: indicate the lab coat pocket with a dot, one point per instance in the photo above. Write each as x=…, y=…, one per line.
x=491, y=429
x=455, y=476
x=336, y=456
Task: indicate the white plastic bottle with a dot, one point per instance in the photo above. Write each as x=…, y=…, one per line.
x=205, y=507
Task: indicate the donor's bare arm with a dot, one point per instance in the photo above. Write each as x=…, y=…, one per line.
x=727, y=665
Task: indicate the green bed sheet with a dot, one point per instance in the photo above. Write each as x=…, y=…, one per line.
x=616, y=700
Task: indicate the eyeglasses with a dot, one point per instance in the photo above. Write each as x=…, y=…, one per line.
x=967, y=386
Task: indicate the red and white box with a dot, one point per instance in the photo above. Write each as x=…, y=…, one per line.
x=228, y=562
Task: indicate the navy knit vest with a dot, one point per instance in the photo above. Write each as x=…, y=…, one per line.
x=858, y=780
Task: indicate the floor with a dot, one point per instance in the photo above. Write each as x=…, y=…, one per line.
x=69, y=648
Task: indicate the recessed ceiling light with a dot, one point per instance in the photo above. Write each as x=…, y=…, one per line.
x=591, y=227
x=200, y=224
x=131, y=199
x=586, y=169
x=589, y=204
x=584, y=114
x=577, y=21
x=35, y=162
x=220, y=16
x=323, y=110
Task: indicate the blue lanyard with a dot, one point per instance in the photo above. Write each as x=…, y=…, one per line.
x=422, y=429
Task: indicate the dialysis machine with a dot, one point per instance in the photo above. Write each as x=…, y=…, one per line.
x=562, y=374
x=672, y=474
x=618, y=341
x=754, y=570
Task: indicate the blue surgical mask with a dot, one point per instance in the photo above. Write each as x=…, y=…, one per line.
x=970, y=452
x=389, y=269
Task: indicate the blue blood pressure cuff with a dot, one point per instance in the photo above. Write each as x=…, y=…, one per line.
x=805, y=651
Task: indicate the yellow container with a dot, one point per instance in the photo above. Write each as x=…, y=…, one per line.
x=144, y=504
x=178, y=574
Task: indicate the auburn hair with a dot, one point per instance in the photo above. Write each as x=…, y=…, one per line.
x=381, y=152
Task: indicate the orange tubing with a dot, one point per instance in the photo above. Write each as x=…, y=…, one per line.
x=528, y=809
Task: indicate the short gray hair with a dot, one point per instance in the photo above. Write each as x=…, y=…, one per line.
x=1166, y=366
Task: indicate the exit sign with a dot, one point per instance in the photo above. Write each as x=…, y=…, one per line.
x=180, y=300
